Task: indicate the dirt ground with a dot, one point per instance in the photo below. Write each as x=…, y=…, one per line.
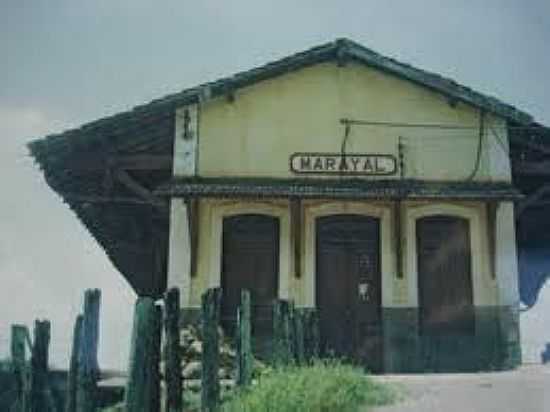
x=524, y=390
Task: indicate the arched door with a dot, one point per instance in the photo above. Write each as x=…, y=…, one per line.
x=444, y=276
x=349, y=287
x=250, y=260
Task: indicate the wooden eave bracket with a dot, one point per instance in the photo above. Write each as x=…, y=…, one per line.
x=137, y=188
x=532, y=168
x=193, y=222
x=92, y=163
x=537, y=147
x=296, y=228
x=398, y=239
x=532, y=199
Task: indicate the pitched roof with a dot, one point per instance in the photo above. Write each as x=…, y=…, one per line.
x=343, y=50
x=340, y=50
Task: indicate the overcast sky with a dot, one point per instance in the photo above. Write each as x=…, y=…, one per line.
x=68, y=62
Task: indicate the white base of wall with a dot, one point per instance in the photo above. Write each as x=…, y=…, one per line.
x=535, y=327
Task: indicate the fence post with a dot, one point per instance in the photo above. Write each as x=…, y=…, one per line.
x=173, y=354
x=140, y=388
x=19, y=335
x=278, y=344
x=70, y=401
x=155, y=360
x=290, y=337
x=88, y=368
x=210, y=396
x=244, y=347
x=298, y=335
x=311, y=335
x=39, y=400
x=282, y=333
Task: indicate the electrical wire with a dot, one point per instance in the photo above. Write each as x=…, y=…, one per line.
x=349, y=122
x=406, y=125
x=347, y=131
x=479, y=146
x=429, y=125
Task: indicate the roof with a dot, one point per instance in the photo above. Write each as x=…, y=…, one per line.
x=340, y=50
x=81, y=165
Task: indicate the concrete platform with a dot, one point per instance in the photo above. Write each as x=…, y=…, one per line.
x=526, y=389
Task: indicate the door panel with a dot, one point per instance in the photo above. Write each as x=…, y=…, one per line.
x=444, y=276
x=250, y=261
x=349, y=287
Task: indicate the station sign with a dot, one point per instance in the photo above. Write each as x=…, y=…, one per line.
x=343, y=164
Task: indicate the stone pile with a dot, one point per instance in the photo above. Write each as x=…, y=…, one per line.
x=191, y=356
x=191, y=359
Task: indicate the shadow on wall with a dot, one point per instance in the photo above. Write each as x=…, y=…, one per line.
x=545, y=354
x=534, y=269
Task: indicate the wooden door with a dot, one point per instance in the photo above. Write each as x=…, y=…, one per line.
x=349, y=288
x=250, y=261
x=444, y=276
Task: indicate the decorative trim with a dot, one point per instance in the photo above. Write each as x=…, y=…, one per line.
x=344, y=189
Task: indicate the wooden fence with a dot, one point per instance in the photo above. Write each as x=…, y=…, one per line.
x=295, y=340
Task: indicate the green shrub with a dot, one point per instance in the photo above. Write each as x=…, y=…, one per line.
x=324, y=387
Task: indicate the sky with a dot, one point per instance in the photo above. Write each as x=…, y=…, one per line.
x=65, y=63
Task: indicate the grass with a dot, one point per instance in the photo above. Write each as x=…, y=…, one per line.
x=323, y=387
x=326, y=386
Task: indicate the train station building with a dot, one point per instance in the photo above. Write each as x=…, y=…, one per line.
x=380, y=195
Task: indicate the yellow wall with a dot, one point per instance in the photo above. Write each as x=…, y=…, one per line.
x=255, y=135
x=299, y=112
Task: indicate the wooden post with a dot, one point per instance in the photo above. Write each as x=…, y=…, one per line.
x=315, y=336
x=291, y=341
x=39, y=400
x=282, y=338
x=19, y=335
x=210, y=350
x=244, y=346
x=140, y=388
x=70, y=401
x=277, y=333
x=298, y=335
x=88, y=368
x=155, y=360
x=311, y=336
x=307, y=335
x=173, y=354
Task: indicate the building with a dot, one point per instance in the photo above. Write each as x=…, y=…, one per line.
x=377, y=193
